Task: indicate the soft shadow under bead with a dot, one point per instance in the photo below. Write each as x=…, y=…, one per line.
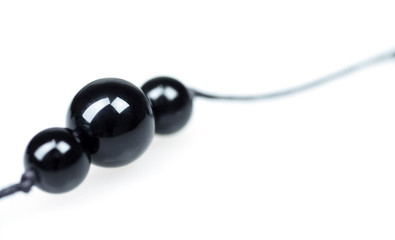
x=171, y=102
x=119, y=119
x=58, y=160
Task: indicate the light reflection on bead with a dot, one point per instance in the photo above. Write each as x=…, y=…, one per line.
x=58, y=160
x=119, y=118
x=171, y=102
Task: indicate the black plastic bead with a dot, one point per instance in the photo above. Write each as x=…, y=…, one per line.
x=119, y=119
x=171, y=102
x=58, y=160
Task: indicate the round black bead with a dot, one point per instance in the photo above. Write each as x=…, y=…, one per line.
x=119, y=119
x=171, y=102
x=58, y=160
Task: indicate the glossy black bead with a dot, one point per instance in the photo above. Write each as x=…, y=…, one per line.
x=118, y=117
x=171, y=102
x=58, y=160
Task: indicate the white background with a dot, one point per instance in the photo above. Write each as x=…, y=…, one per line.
x=319, y=165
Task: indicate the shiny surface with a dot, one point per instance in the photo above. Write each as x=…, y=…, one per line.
x=58, y=159
x=119, y=119
x=171, y=102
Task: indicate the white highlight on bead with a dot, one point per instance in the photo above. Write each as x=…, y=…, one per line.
x=42, y=151
x=91, y=112
x=168, y=92
x=118, y=104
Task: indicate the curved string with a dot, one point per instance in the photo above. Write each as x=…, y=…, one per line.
x=25, y=185
x=301, y=88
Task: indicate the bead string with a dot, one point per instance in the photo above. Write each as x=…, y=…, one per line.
x=25, y=185
x=83, y=143
x=307, y=86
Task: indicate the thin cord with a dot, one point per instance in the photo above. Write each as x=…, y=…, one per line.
x=304, y=87
x=25, y=185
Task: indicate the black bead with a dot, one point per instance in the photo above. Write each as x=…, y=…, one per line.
x=58, y=160
x=119, y=119
x=171, y=102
